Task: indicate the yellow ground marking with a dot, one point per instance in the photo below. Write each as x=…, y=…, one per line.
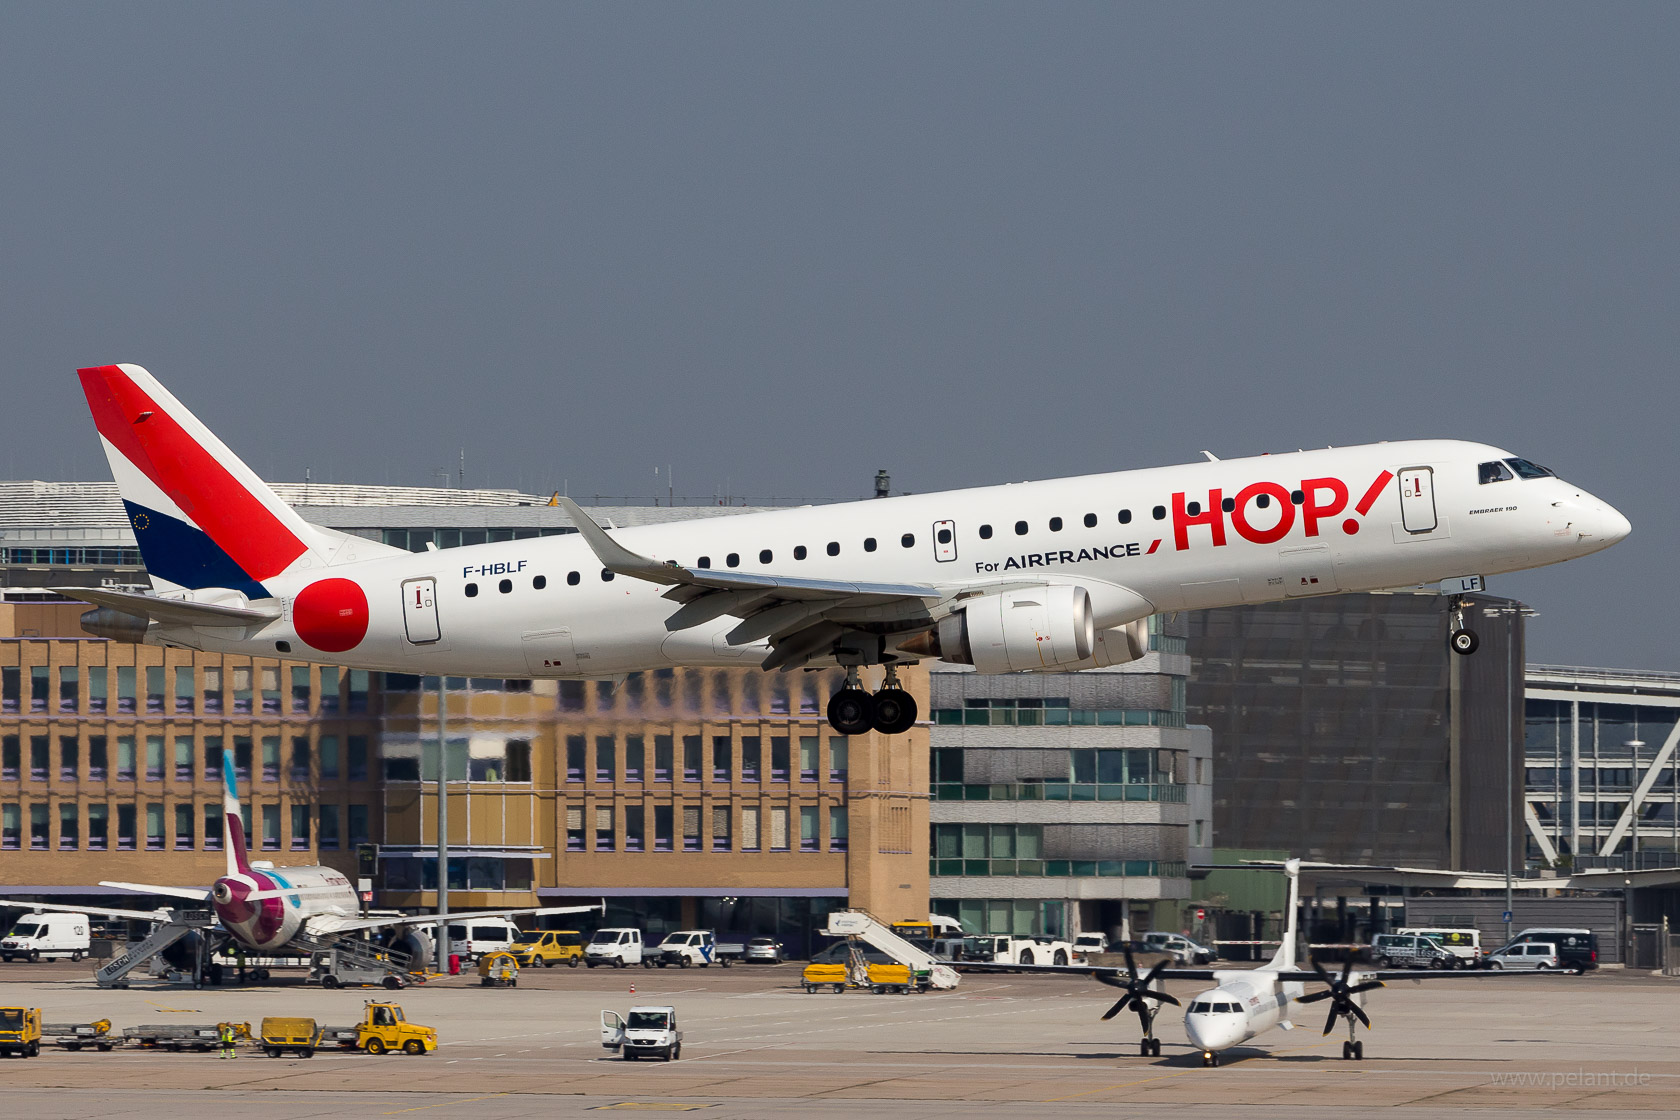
x=443, y=1104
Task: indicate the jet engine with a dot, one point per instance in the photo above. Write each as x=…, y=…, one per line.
x=1015, y=631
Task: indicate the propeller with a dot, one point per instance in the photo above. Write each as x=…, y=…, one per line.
x=1340, y=994
x=1138, y=990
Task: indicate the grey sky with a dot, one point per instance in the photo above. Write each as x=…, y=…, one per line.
x=780, y=246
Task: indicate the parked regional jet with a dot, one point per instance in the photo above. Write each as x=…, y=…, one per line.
x=267, y=908
x=1055, y=575
x=1247, y=1002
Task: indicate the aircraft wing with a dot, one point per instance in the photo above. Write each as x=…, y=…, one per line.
x=1392, y=974
x=173, y=612
x=1087, y=970
x=801, y=617
x=195, y=894
x=325, y=924
x=158, y=915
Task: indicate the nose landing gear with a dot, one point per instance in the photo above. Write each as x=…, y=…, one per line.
x=1460, y=638
x=1210, y=1057
x=852, y=711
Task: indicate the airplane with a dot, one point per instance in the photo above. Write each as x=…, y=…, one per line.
x=267, y=909
x=1245, y=1003
x=1051, y=575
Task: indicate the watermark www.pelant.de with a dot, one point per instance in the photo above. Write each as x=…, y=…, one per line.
x=1572, y=1079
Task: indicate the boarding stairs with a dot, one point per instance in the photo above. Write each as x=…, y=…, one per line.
x=114, y=973
x=863, y=926
x=347, y=952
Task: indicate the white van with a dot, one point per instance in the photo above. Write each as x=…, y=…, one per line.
x=618, y=947
x=1465, y=944
x=47, y=935
x=478, y=936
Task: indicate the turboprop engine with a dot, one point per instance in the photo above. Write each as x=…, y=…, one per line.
x=1016, y=631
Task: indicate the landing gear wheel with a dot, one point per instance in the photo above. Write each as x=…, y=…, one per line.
x=1154, y=1048
x=1347, y=1051
x=893, y=711
x=1359, y=1051
x=850, y=711
x=1144, y=1048
x=1209, y=1058
x=1463, y=642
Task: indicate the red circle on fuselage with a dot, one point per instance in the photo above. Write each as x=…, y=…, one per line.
x=331, y=615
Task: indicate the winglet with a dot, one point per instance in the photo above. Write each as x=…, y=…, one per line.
x=613, y=556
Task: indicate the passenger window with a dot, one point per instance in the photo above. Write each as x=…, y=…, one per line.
x=944, y=536
x=505, y=586
x=985, y=532
x=834, y=548
x=1193, y=508
x=799, y=552
x=1090, y=521
x=606, y=575
x=1159, y=513
x=1125, y=517
x=733, y=560
x=1055, y=524
x=1296, y=497
x=472, y=590
x=869, y=544
x=1228, y=504
x=908, y=540
x=1263, y=501
x=539, y=582
x=764, y=556
x=1020, y=528
x=572, y=579
x=703, y=562
x=1492, y=472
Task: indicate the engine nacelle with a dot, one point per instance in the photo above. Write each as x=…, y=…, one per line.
x=1118, y=646
x=1016, y=631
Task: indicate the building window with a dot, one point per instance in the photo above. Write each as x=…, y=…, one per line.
x=360, y=832
x=693, y=748
x=837, y=825
x=96, y=689
x=358, y=690
x=809, y=746
x=125, y=828
x=69, y=758
x=571, y=696
x=10, y=758
x=183, y=758
x=778, y=828
x=40, y=748
x=634, y=828
x=329, y=688
x=271, y=828
x=38, y=841
x=749, y=758
x=97, y=826
x=328, y=834
x=720, y=828
x=662, y=826
x=271, y=689
x=154, y=758
x=808, y=828
x=519, y=760
x=184, y=689
x=125, y=688
x=576, y=747
x=271, y=758
x=68, y=688
x=9, y=686
x=212, y=689
x=300, y=827
x=213, y=828
x=300, y=688
x=662, y=750
x=358, y=758
x=213, y=759
x=574, y=828
x=125, y=758
x=241, y=690
x=40, y=684
x=606, y=765
x=722, y=758
x=603, y=828
x=634, y=756
x=69, y=826
x=779, y=758
x=183, y=827
x=154, y=827
x=96, y=758
x=11, y=826
x=154, y=688
x=749, y=830
x=838, y=749
x=328, y=755
x=691, y=828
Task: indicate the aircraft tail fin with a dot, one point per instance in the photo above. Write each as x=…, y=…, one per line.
x=1286, y=957
x=201, y=517
x=233, y=820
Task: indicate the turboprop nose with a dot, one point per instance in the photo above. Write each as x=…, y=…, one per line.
x=1213, y=1031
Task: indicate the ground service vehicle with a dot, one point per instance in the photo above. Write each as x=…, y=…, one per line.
x=617, y=946
x=1578, y=948
x=278, y=1035
x=687, y=947
x=1526, y=955
x=20, y=1031
x=1003, y=949
x=1089, y=944
x=74, y=1036
x=382, y=1029
x=1407, y=950
x=1465, y=944
x=1179, y=948
x=472, y=939
x=895, y=977
x=498, y=970
x=182, y=1036
x=648, y=1032
x=47, y=935
x=548, y=948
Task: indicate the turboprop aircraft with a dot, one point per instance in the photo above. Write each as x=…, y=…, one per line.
x=267, y=909
x=1245, y=1003
x=1053, y=575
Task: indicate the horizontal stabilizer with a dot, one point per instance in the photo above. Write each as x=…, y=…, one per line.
x=173, y=612
x=158, y=915
x=196, y=894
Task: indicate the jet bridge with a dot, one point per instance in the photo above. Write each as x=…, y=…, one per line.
x=862, y=926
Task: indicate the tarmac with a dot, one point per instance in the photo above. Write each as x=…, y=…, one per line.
x=756, y=1045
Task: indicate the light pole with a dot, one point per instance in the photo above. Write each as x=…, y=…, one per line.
x=1510, y=612
x=443, y=825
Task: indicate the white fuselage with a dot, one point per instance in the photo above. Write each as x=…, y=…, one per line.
x=1244, y=1004
x=268, y=924
x=1162, y=539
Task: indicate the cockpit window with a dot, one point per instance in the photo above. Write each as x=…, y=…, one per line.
x=1526, y=469
x=1493, y=472
x=1200, y=1005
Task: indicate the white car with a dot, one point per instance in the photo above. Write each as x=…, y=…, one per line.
x=479, y=936
x=1179, y=948
x=618, y=946
x=47, y=935
x=646, y=1032
x=1527, y=954
x=1089, y=945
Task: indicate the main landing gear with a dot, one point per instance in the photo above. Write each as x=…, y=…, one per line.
x=852, y=711
x=1461, y=639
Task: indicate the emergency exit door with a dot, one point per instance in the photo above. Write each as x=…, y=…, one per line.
x=944, y=541
x=420, y=618
x=1417, y=499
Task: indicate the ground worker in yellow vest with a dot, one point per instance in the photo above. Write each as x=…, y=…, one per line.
x=224, y=1034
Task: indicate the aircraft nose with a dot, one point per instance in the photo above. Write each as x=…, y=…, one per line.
x=1616, y=525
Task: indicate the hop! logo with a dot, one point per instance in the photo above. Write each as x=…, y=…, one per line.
x=1266, y=512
